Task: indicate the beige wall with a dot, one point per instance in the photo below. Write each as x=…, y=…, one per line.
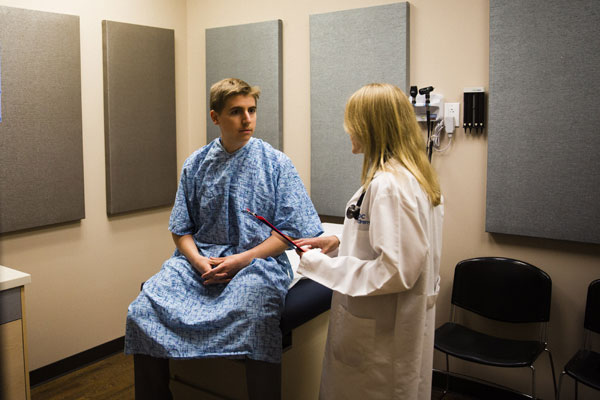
x=84, y=275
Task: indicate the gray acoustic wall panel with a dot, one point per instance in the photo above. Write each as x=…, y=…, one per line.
x=41, y=154
x=543, y=177
x=251, y=52
x=139, y=116
x=349, y=49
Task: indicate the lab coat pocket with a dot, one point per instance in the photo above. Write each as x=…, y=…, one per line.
x=354, y=339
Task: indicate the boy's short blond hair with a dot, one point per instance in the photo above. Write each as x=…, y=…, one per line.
x=228, y=87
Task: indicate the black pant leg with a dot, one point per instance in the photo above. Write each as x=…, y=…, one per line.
x=151, y=378
x=263, y=380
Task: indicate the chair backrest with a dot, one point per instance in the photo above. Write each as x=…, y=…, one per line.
x=592, y=307
x=502, y=289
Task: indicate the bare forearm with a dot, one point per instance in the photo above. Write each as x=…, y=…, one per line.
x=186, y=246
x=271, y=247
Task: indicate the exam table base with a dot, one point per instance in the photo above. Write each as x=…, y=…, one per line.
x=219, y=379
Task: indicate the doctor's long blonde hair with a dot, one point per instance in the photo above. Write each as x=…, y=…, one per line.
x=381, y=118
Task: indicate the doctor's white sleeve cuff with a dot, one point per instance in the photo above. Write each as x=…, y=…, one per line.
x=311, y=262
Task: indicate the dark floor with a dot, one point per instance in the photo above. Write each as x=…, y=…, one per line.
x=112, y=379
x=107, y=379
x=437, y=394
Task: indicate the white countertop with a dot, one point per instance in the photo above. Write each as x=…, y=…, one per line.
x=11, y=278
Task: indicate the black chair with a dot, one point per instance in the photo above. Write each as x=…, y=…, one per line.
x=505, y=290
x=584, y=366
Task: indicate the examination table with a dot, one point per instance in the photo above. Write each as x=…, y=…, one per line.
x=304, y=330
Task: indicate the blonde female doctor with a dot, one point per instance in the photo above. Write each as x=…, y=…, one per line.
x=385, y=275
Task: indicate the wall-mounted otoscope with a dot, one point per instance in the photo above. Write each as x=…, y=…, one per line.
x=427, y=92
x=413, y=94
x=429, y=108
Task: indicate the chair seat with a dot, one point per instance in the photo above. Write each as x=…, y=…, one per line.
x=462, y=342
x=585, y=367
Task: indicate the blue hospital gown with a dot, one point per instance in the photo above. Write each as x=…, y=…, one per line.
x=175, y=316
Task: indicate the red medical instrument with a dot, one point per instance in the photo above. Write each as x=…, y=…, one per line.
x=283, y=235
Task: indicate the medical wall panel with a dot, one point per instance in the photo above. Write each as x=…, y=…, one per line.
x=543, y=174
x=349, y=49
x=41, y=152
x=139, y=117
x=251, y=52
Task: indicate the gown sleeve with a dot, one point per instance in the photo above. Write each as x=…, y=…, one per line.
x=396, y=236
x=295, y=214
x=180, y=221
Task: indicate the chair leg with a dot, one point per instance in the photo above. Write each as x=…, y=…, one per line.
x=562, y=374
x=532, y=382
x=447, y=377
x=560, y=386
x=552, y=366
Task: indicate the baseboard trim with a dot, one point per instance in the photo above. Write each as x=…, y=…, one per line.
x=477, y=389
x=75, y=362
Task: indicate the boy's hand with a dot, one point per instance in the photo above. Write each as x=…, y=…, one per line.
x=225, y=268
x=201, y=264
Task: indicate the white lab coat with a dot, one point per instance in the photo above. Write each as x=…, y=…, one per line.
x=385, y=281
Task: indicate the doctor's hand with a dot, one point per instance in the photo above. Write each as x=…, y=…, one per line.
x=225, y=268
x=325, y=243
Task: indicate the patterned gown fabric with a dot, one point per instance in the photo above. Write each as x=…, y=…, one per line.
x=175, y=316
